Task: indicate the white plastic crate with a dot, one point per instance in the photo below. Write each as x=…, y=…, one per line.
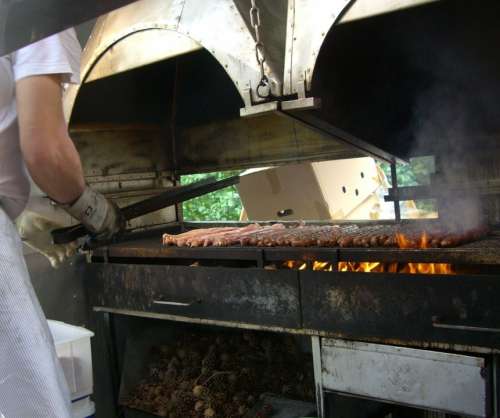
x=73, y=350
x=83, y=408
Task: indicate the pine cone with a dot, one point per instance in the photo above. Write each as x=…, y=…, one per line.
x=209, y=413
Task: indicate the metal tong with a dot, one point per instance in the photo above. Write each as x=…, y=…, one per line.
x=163, y=200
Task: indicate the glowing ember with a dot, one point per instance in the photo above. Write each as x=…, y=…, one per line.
x=363, y=267
x=422, y=241
x=322, y=266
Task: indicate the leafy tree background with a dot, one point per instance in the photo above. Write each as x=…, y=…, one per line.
x=416, y=173
x=225, y=205
x=222, y=205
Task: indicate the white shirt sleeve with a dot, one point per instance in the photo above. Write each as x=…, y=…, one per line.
x=57, y=54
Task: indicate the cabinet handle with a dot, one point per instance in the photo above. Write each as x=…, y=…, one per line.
x=173, y=303
x=436, y=323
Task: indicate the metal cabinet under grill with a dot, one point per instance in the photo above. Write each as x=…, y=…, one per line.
x=246, y=296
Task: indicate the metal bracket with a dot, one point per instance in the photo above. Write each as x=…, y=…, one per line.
x=302, y=102
x=436, y=323
x=312, y=121
x=258, y=109
x=174, y=303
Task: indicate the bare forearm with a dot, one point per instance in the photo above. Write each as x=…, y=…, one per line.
x=52, y=159
x=49, y=153
x=57, y=171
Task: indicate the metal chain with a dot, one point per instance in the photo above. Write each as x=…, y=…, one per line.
x=259, y=52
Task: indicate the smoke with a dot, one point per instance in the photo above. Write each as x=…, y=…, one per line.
x=457, y=118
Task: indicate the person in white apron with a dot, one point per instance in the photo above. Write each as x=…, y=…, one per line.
x=34, y=139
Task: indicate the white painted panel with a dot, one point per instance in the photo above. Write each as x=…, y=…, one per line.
x=420, y=378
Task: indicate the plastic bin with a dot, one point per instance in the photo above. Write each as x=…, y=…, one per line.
x=73, y=350
x=83, y=408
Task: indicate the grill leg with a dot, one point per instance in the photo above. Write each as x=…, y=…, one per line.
x=318, y=381
x=106, y=369
x=496, y=386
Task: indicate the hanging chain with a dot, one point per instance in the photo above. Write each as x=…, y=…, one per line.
x=259, y=52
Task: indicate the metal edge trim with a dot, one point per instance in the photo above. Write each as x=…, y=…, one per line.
x=296, y=331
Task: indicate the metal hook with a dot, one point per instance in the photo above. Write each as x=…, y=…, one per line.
x=264, y=82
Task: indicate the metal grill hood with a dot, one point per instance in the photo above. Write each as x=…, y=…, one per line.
x=368, y=62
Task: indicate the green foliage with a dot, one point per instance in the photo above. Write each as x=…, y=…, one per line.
x=222, y=205
x=416, y=173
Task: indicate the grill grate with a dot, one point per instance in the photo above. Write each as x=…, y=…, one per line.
x=484, y=252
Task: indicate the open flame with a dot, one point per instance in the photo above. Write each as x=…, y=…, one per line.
x=423, y=241
x=403, y=241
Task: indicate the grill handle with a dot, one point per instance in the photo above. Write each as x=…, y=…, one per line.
x=437, y=323
x=176, y=303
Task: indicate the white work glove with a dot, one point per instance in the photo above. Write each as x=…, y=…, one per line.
x=35, y=224
x=100, y=216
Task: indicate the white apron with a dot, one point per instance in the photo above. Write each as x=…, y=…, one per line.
x=32, y=383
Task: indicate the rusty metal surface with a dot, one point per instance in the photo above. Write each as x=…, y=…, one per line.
x=241, y=295
x=66, y=283
x=434, y=345
x=402, y=306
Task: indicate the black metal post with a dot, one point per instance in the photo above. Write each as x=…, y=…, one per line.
x=108, y=375
x=395, y=191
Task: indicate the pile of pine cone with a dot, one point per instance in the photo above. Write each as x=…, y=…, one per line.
x=222, y=375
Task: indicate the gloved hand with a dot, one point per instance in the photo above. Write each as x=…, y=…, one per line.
x=100, y=216
x=35, y=224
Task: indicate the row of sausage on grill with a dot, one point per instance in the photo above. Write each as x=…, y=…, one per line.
x=279, y=235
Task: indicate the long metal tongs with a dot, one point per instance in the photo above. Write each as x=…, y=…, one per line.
x=163, y=200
